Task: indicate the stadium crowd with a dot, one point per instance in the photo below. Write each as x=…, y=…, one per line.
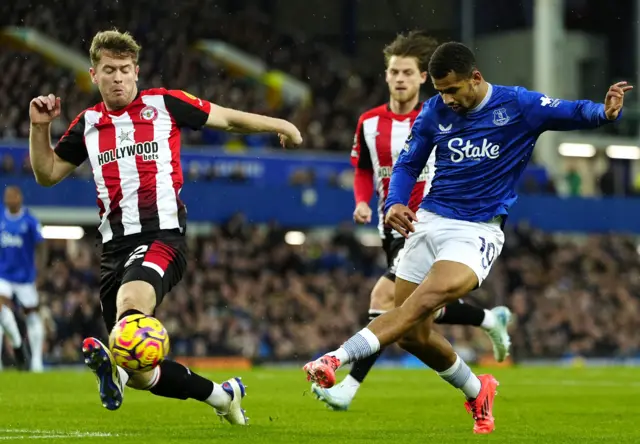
x=167, y=32
x=247, y=292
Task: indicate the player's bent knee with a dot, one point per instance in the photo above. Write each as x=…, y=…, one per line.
x=382, y=295
x=136, y=295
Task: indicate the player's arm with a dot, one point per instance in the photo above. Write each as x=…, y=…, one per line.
x=546, y=113
x=49, y=166
x=363, y=176
x=406, y=170
x=196, y=113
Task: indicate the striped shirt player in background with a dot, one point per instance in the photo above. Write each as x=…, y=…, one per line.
x=480, y=137
x=380, y=136
x=132, y=141
x=20, y=237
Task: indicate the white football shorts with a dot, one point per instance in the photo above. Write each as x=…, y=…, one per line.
x=437, y=238
x=25, y=293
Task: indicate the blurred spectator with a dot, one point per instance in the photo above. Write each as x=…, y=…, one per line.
x=167, y=32
x=246, y=292
x=7, y=165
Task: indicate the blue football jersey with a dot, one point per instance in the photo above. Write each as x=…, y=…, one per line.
x=476, y=159
x=19, y=236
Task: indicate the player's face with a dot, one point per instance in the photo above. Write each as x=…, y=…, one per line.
x=116, y=78
x=13, y=199
x=459, y=93
x=404, y=78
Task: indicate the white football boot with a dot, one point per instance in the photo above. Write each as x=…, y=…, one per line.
x=234, y=414
x=499, y=334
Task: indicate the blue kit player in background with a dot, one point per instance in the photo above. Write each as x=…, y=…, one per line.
x=477, y=139
x=19, y=237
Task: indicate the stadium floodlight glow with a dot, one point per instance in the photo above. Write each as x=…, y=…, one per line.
x=623, y=152
x=295, y=237
x=62, y=232
x=577, y=150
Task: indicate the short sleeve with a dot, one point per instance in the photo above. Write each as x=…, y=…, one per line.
x=71, y=147
x=187, y=110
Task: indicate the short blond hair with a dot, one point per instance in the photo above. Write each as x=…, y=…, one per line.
x=120, y=44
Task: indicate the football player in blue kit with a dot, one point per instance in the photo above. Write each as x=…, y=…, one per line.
x=478, y=138
x=19, y=237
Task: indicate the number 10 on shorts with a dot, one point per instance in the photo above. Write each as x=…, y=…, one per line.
x=488, y=251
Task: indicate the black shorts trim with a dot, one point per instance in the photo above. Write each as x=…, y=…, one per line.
x=392, y=247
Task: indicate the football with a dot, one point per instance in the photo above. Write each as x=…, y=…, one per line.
x=139, y=343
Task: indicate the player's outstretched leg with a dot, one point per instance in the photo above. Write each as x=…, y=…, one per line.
x=341, y=395
x=169, y=379
x=494, y=322
x=447, y=281
x=173, y=380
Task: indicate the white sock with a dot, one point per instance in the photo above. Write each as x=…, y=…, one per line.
x=219, y=399
x=1, y=342
x=124, y=377
x=361, y=345
x=461, y=377
x=350, y=386
x=8, y=322
x=35, y=333
x=490, y=321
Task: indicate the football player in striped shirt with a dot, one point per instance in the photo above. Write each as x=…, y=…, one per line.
x=132, y=141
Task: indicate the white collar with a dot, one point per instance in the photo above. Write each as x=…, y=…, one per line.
x=484, y=102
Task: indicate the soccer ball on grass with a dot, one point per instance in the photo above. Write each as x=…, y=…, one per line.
x=139, y=343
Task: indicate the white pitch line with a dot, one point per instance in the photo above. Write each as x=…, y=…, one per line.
x=50, y=434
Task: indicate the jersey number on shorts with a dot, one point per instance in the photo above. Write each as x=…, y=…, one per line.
x=488, y=251
x=138, y=253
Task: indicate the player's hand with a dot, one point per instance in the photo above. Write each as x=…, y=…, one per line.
x=44, y=109
x=291, y=137
x=401, y=219
x=362, y=213
x=614, y=99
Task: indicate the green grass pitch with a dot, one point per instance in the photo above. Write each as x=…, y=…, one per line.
x=534, y=405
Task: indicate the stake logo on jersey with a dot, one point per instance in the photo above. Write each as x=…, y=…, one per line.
x=477, y=164
x=135, y=158
x=19, y=235
x=464, y=149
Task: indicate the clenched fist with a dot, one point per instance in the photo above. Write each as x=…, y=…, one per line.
x=362, y=213
x=44, y=109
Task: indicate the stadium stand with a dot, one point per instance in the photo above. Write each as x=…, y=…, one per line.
x=249, y=293
x=169, y=59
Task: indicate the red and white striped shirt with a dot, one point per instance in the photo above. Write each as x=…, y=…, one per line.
x=378, y=142
x=135, y=158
